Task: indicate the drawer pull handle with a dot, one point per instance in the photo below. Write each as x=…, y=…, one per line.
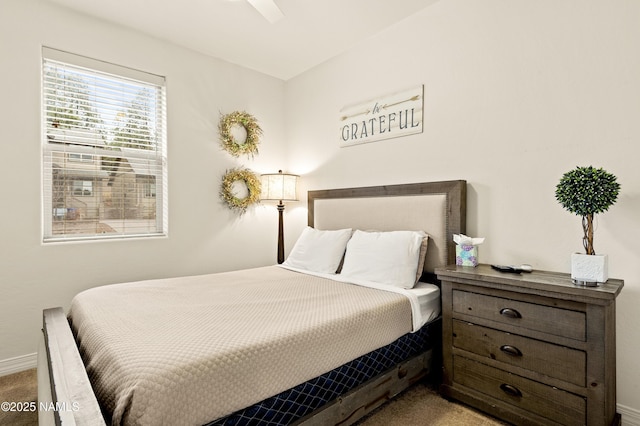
x=510, y=350
x=510, y=313
x=510, y=390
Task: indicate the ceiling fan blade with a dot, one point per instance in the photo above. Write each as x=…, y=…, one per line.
x=268, y=9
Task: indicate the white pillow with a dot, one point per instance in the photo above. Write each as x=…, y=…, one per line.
x=319, y=251
x=384, y=257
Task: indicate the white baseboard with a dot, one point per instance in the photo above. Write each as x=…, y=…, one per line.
x=630, y=416
x=18, y=364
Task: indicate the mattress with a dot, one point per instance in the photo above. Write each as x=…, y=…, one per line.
x=428, y=297
x=161, y=351
x=291, y=405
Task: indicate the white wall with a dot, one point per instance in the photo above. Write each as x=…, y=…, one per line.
x=204, y=236
x=517, y=92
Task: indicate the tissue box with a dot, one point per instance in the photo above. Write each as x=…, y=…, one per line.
x=466, y=255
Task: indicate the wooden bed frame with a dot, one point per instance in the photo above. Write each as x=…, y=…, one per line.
x=63, y=381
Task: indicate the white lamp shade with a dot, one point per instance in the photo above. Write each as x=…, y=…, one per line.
x=279, y=186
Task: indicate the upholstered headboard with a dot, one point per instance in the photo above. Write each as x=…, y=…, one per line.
x=438, y=208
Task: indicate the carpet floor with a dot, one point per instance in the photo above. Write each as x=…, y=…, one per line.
x=422, y=405
x=419, y=405
x=19, y=388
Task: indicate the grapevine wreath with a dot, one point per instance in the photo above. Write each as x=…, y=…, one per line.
x=250, y=179
x=229, y=143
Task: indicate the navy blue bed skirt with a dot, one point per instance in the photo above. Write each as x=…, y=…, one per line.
x=295, y=403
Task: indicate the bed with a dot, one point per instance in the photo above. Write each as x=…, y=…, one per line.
x=346, y=345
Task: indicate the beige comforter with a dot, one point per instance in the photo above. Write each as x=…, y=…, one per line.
x=193, y=349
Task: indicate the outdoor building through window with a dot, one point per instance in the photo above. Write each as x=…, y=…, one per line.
x=104, y=150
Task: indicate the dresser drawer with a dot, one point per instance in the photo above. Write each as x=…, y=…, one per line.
x=546, y=319
x=551, y=360
x=547, y=401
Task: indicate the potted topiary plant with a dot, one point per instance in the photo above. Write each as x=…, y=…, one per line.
x=586, y=191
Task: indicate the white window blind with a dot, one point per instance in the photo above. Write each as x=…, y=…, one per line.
x=104, y=150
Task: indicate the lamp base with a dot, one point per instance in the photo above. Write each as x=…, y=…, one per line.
x=280, y=233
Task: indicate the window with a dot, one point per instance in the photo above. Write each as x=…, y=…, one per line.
x=80, y=157
x=104, y=150
x=149, y=188
x=82, y=187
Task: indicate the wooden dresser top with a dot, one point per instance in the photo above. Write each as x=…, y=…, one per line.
x=532, y=282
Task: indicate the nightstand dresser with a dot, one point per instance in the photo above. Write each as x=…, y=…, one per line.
x=530, y=348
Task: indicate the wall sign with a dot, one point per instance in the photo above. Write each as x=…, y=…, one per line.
x=390, y=116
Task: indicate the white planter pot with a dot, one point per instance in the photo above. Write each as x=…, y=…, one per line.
x=589, y=270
